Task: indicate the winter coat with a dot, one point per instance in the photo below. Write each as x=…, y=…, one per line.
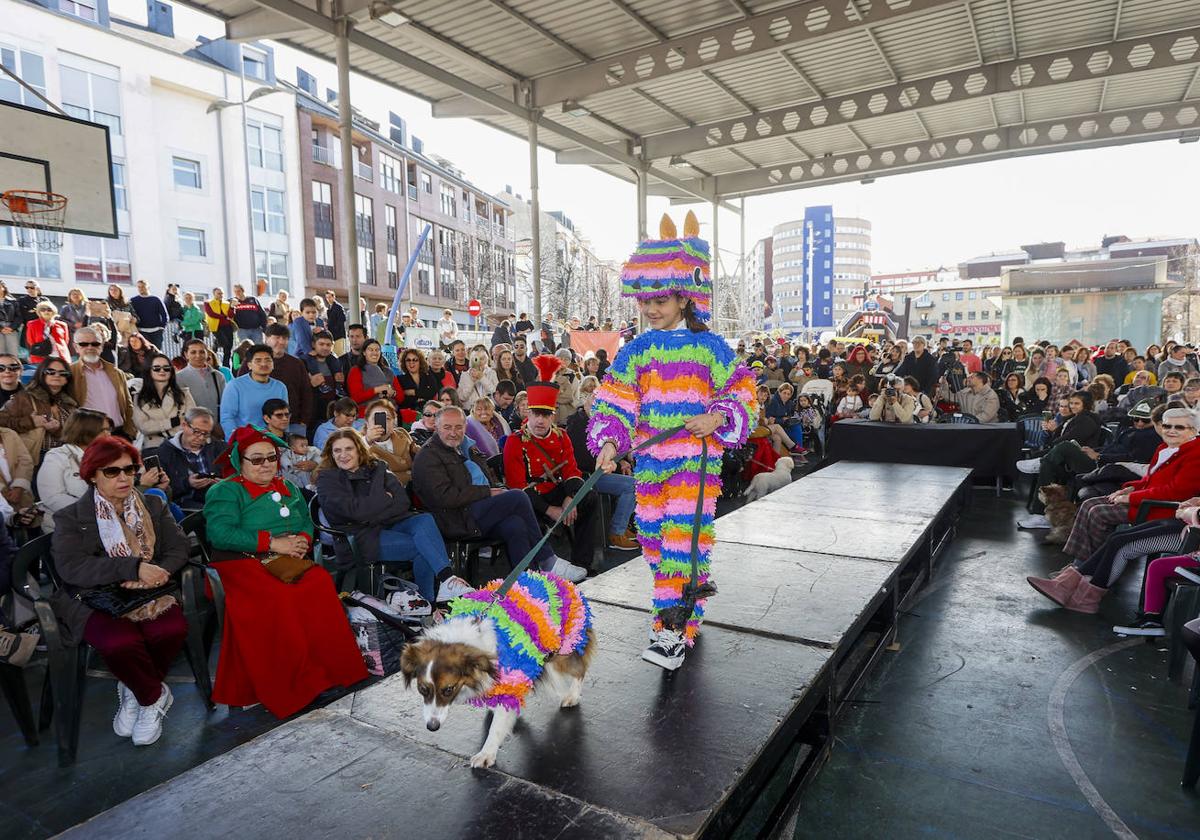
x=82, y=562
x=443, y=484
x=58, y=482
x=10, y=314
x=120, y=384
x=426, y=386
x=985, y=405
x=1084, y=428
x=1176, y=480
x=159, y=422
x=362, y=502
x=1133, y=445
x=174, y=462
x=1012, y=407
x=471, y=389
x=57, y=333
x=18, y=413
x=923, y=367
x=400, y=459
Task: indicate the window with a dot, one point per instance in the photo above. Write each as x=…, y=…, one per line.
x=945, y=296
x=393, y=271
x=364, y=220
x=449, y=205
x=427, y=183
x=16, y=261
x=389, y=168
x=84, y=9
x=447, y=287
x=266, y=210
x=191, y=243
x=324, y=259
x=322, y=197
x=957, y=316
x=971, y=315
x=945, y=316
x=425, y=255
x=186, y=172
x=99, y=260
x=411, y=176
x=271, y=269
x=445, y=247
x=983, y=315
x=972, y=295
x=28, y=66
x=92, y=94
x=958, y=295
x=120, y=192
x=264, y=145
x=366, y=264
x=254, y=64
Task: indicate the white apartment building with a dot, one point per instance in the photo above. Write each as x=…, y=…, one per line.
x=820, y=262
x=204, y=152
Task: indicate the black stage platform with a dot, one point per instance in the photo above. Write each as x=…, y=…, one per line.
x=812, y=579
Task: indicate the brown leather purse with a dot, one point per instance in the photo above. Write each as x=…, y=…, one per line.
x=287, y=567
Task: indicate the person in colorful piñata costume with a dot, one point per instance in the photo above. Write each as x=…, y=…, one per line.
x=675, y=373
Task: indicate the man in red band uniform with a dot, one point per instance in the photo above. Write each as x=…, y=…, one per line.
x=541, y=461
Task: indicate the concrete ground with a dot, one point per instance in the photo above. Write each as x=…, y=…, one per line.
x=950, y=737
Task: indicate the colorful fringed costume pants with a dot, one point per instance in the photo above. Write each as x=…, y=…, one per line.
x=657, y=382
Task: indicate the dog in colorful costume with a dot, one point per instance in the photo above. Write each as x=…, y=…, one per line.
x=660, y=380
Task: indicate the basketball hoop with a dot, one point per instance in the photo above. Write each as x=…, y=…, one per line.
x=38, y=217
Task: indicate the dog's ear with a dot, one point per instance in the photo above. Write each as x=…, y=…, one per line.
x=412, y=660
x=478, y=663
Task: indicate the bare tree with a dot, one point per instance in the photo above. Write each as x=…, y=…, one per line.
x=1180, y=315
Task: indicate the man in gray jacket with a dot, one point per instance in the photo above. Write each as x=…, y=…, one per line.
x=979, y=399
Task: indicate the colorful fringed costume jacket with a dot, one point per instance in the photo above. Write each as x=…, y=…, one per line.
x=541, y=615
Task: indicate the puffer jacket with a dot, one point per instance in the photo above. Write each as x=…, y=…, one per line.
x=362, y=502
x=58, y=481
x=443, y=484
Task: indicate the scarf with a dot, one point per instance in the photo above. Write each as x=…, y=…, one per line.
x=374, y=376
x=128, y=533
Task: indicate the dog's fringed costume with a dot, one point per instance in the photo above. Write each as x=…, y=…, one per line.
x=541, y=615
x=658, y=381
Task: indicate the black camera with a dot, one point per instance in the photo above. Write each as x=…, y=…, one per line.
x=889, y=392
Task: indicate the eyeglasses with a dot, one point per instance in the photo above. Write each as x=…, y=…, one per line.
x=432, y=414
x=160, y=368
x=57, y=372
x=10, y=368
x=87, y=343
x=1175, y=427
x=113, y=472
x=259, y=460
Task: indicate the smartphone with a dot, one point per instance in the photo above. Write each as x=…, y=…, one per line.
x=1047, y=415
x=150, y=462
x=379, y=418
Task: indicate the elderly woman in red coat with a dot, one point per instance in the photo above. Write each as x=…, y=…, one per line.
x=47, y=335
x=1173, y=476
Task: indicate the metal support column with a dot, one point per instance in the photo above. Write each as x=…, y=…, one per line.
x=743, y=280
x=535, y=227
x=349, y=159
x=641, y=204
x=716, y=263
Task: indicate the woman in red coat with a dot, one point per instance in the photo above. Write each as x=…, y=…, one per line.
x=1173, y=476
x=283, y=643
x=47, y=327
x=370, y=378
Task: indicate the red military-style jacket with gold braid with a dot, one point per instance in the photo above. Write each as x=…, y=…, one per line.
x=539, y=465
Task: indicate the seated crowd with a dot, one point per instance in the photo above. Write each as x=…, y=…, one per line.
x=108, y=449
x=112, y=441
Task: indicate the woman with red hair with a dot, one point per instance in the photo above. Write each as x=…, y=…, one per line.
x=114, y=535
x=283, y=642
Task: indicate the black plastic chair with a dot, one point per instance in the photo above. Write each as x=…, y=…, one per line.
x=67, y=666
x=958, y=418
x=195, y=529
x=12, y=679
x=375, y=571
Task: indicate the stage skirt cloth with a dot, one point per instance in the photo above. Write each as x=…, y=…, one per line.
x=283, y=643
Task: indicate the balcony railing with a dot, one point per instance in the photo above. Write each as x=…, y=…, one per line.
x=322, y=154
x=363, y=170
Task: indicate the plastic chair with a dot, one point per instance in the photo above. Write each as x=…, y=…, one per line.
x=1033, y=436
x=12, y=678
x=958, y=418
x=62, y=694
x=320, y=546
x=1191, y=765
x=464, y=555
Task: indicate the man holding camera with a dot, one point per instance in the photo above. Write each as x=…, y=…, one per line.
x=894, y=405
x=188, y=458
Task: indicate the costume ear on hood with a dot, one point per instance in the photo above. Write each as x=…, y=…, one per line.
x=666, y=228
x=547, y=365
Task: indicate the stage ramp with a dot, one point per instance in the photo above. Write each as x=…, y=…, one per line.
x=812, y=580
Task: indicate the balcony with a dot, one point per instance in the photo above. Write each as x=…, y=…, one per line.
x=322, y=154
x=363, y=170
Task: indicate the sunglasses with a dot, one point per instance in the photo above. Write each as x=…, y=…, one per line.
x=160, y=368
x=87, y=343
x=57, y=372
x=1175, y=427
x=434, y=414
x=10, y=368
x=259, y=460
x=113, y=472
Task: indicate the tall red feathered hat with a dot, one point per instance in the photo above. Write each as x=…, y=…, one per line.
x=544, y=393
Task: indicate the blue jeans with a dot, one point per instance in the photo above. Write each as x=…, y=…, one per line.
x=625, y=490
x=418, y=540
x=509, y=517
x=255, y=335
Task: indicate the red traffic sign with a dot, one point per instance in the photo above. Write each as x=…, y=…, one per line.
x=945, y=327
x=474, y=308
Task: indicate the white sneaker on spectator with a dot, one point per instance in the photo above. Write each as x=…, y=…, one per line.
x=1030, y=466
x=1033, y=522
x=567, y=570
x=451, y=588
x=127, y=711
x=148, y=727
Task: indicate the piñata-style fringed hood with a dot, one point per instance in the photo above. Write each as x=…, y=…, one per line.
x=671, y=264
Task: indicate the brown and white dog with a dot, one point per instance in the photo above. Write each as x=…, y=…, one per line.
x=469, y=657
x=1060, y=510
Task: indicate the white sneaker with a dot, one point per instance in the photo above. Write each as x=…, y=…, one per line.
x=451, y=588
x=1030, y=466
x=127, y=711
x=1033, y=522
x=666, y=650
x=568, y=571
x=148, y=727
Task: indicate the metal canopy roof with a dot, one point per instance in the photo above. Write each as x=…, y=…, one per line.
x=724, y=98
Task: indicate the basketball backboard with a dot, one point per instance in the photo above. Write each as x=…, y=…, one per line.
x=41, y=150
